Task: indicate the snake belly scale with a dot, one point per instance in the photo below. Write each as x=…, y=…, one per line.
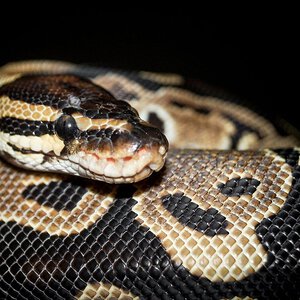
x=136, y=222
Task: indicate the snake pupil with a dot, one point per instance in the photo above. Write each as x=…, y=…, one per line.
x=66, y=127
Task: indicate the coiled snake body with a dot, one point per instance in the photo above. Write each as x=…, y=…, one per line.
x=208, y=224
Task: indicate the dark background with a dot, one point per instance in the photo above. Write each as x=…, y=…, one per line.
x=251, y=54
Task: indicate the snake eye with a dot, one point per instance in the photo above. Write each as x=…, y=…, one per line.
x=66, y=127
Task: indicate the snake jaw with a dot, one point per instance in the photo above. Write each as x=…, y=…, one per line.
x=76, y=127
x=118, y=156
x=123, y=169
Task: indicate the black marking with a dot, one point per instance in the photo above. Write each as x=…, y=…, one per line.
x=201, y=110
x=105, y=133
x=16, y=126
x=241, y=129
x=53, y=90
x=93, y=139
x=156, y=121
x=59, y=195
x=69, y=91
x=280, y=235
x=188, y=213
x=118, y=250
x=47, y=156
x=291, y=156
x=114, y=138
x=22, y=150
x=239, y=186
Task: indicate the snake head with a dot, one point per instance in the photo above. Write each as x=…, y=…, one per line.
x=68, y=124
x=113, y=150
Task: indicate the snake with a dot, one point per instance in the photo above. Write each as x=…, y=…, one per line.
x=138, y=185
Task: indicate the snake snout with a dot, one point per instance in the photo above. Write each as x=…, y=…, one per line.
x=121, y=156
x=151, y=139
x=141, y=151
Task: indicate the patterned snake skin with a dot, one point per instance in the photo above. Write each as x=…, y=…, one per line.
x=221, y=223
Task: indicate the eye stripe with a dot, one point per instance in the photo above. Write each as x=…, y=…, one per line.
x=239, y=186
x=16, y=126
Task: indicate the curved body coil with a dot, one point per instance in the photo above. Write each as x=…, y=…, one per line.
x=211, y=224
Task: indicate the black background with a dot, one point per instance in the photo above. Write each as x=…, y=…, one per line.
x=250, y=53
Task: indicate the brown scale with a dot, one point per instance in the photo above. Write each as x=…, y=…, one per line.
x=105, y=291
x=199, y=175
x=230, y=256
x=225, y=257
x=61, y=91
x=69, y=115
x=43, y=218
x=193, y=121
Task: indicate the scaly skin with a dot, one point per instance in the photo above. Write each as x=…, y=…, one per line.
x=65, y=123
x=211, y=224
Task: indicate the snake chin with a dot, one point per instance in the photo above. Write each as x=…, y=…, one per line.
x=114, y=169
x=146, y=172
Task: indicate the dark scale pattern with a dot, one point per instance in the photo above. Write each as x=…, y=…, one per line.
x=155, y=120
x=59, y=195
x=26, y=127
x=74, y=94
x=280, y=234
x=291, y=156
x=90, y=135
x=139, y=136
x=239, y=186
x=210, y=222
x=242, y=128
x=117, y=249
x=69, y=91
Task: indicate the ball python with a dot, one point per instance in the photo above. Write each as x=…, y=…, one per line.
x=94, y=206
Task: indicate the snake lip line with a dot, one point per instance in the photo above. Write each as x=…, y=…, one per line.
x=117, y=166
x=121, y=169
x=126, y=169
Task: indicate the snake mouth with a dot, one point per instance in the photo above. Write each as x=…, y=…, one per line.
x=120, y=156
x=126, y=169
